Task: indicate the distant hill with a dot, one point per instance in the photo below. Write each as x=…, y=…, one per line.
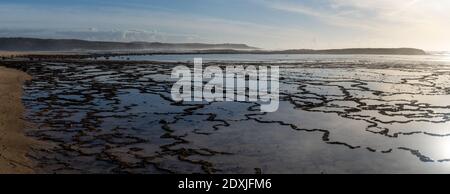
x=34, y=44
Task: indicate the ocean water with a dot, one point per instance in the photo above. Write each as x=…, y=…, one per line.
x=287, y=58
x=338, y=114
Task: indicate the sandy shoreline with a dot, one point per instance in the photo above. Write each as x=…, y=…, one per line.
x=11, y=53
x=14, y=145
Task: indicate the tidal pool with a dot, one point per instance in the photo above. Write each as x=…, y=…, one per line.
x=381, y=117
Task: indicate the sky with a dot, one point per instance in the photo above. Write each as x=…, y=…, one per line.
x=268, y=24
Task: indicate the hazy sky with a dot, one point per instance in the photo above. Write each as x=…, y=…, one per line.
x=262, y=23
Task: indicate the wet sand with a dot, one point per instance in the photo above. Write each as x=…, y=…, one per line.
x=112, y=116
x=14, y=145
x=118, y=117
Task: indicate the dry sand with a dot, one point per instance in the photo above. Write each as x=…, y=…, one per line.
x=14, y=145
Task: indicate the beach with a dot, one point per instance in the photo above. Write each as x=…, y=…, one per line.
x=14, y=144
x=384, y=114
x=10, y=53
x=116, y=115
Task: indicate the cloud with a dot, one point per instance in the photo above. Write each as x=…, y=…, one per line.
x=293, y=24
x=124, y=24
x=406, y=11
x=331, y=17
x=95, y=34
x=415, y=23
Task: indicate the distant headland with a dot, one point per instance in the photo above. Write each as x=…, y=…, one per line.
x=75, y=45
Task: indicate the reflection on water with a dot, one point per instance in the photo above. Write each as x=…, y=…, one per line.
x=333, y=118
